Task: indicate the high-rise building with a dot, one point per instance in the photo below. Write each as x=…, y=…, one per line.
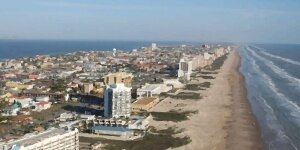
x=53, y=139
x=117, y=101
x=153, y=46
x=185, y=69
x=119, y=77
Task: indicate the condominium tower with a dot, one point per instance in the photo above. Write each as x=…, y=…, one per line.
x=117, y=101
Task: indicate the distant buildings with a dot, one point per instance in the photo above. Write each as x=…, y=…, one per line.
x=119, y=77
x=185, y=69
x=53, y=139
x=117, y=101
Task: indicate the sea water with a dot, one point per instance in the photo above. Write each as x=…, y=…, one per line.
x=272, y=76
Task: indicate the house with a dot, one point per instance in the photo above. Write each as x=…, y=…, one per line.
x=67, y=116
x=23, y=100
x=42, y=105
x=11, y=110
x=19, y=86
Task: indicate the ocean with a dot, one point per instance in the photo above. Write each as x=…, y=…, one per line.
x=272, y=76
x=22, y=48
x=10, y=49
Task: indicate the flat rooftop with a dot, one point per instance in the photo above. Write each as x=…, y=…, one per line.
x=33, y=138
x=145, y=100
x=150, y=87
x=107, y=128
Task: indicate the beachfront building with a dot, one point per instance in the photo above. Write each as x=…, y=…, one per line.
x=198, y=62
x=185, y=69
x=113, y=131
x=144, y=104
x=117, y=101
x=53, y=139
x=119, y=77
x=152, y=89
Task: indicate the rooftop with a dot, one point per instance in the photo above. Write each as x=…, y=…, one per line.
x=33, y=138
x=145, y=100
x=107, y=128
x=150, y=87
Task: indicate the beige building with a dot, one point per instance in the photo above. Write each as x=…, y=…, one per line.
x=87, y=87
x=19, y=86
x=144, y=104
x=198, y=61
x=119, y=77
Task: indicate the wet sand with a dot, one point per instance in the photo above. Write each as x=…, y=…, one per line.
x=224, y=119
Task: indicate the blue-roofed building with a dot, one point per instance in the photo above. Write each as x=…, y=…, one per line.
x=115, y=131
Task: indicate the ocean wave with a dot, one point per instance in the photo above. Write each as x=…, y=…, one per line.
x=283, y=101
x=273, y=124
x=292, y=106
x=281, y=72
x=277, y=57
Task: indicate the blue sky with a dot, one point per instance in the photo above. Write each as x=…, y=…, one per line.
x=275, y=21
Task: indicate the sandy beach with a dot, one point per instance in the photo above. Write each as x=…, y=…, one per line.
x=224, y=119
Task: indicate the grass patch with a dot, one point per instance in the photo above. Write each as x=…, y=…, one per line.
x=207, y=77
x=206, y=72
x=172, y=115
x=217, y=64
x=185, y=95
x=157, y=139
x=205, y=84
x=197, y=87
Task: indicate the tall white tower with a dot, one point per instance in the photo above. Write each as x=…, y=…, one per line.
x=117, y=101
x=153, y=46
x=185, y=69
x=114, y=51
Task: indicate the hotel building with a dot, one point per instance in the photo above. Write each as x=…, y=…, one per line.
x=117, y=101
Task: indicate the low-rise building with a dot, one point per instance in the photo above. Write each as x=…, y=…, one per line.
x=144, y=104
x=53, y=139
x=42, y=105
x=87, y=87
x=153, y=89
x=11, y=110
x=114, y=131
x=67, y=116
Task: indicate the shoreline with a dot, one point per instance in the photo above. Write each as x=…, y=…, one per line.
x=243, y=130
x=224, y=119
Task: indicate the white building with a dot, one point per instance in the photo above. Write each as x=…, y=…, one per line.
x=42, y=99
x=53, y=139
x=219, y=51
x=185, y=69
x=208, y=56
x=153, y=46
x=117, y=101
x=153, y=89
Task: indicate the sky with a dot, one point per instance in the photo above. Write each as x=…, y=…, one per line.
x=262, y=21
